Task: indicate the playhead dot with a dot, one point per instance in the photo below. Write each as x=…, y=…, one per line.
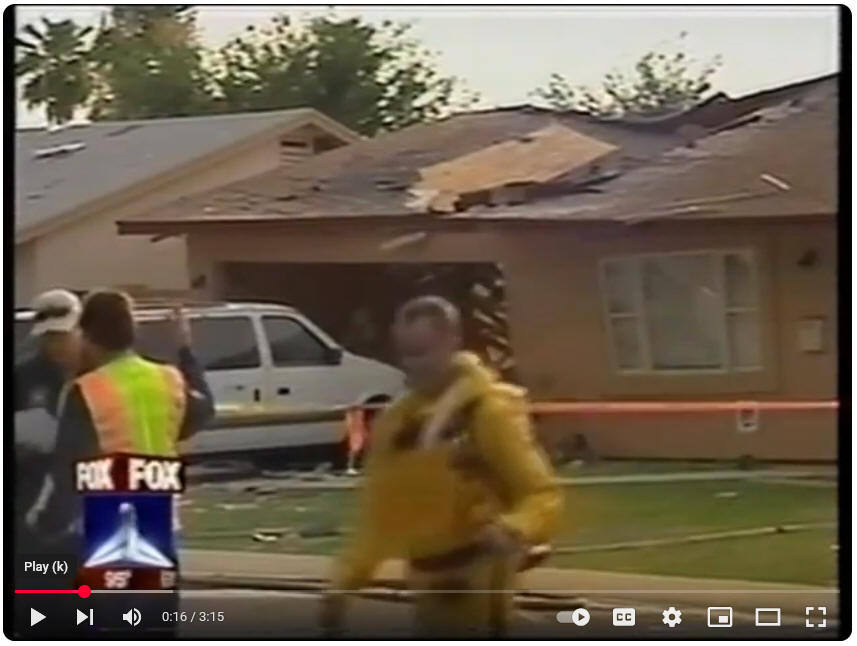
x=84, y=591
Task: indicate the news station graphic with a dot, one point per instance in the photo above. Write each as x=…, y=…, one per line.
x=128, y=521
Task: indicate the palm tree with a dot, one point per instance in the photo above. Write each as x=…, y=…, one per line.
x=54, y=65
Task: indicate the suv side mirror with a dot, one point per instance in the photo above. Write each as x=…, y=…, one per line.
x=333, y=356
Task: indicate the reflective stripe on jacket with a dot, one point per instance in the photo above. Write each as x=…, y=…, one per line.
x=137, y=406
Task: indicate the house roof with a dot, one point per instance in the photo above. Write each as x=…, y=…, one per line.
x=780, y=160
x=654, y=165
x=59, y=171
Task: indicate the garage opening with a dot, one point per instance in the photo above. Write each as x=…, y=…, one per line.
x=355, y=302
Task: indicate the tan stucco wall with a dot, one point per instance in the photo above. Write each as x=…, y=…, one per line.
x=88, y=252
x=560, y=337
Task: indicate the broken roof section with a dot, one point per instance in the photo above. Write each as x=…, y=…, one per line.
x=374, y=177
x=535, y=158
x=780, y=160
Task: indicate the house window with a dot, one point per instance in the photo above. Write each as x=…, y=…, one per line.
x=683, y=312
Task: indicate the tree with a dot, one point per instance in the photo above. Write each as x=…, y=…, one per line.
x=661, y=83
x=53, y=63
x=149, y=64
x=368, y=77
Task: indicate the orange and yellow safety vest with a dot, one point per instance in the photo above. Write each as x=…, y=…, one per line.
x=137, y=406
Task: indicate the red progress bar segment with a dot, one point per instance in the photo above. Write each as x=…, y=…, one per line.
x=83, y=591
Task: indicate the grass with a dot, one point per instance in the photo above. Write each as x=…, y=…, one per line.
x=595, y=515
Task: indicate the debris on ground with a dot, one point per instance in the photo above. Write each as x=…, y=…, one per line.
x=233, y=506
x=726, y=494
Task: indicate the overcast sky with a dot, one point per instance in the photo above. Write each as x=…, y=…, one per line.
x=505, y=52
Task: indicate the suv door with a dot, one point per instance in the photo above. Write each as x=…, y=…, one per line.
x=226, y=347
x=304, y=369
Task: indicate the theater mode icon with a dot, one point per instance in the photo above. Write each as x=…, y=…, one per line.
x=126, y=546
x=768, y=616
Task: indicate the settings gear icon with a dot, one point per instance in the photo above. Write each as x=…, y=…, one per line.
x=672, y=617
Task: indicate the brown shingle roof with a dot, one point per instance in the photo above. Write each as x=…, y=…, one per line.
x=655, y=169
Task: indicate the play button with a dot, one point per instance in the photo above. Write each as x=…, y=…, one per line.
x=35, y=616
x=580, y=617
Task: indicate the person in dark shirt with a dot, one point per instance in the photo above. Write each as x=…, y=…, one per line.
x=51, y=355
x=44, y=362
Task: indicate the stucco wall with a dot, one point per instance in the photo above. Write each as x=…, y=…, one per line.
x=560, y=339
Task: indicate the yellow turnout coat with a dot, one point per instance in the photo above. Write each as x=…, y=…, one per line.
x=440, y=469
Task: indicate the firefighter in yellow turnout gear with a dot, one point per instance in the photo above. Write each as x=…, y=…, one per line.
x=455, y=485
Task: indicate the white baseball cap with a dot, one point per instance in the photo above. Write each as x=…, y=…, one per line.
x=57, y=310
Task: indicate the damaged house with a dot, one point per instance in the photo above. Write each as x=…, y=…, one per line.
x=688, y=257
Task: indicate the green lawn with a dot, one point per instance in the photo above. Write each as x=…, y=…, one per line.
x=596, y=515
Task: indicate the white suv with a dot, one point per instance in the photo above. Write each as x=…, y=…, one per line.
x=268, y=355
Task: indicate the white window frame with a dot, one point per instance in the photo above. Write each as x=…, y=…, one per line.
x=640, y=312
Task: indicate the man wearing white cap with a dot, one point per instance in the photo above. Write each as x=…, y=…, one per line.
x=39, y=379
x=42, y=370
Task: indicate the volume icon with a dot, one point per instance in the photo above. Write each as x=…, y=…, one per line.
x=133, y=617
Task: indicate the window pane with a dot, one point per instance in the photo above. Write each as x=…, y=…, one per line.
x=743, y=330
x=218, y=343
x=619, y=280
x=740, y=291
x=683, y=311
x=291, y=344
x=225, y=343
x=629, y=355
x=156, y=341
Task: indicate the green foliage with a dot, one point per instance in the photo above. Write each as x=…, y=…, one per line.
x=368, y=77
x=145, y=62
x=53, y=63
x=660, y=83
x=149, y=64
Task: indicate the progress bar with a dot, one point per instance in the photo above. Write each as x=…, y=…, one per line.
x=84, y=591
x=135, y=592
